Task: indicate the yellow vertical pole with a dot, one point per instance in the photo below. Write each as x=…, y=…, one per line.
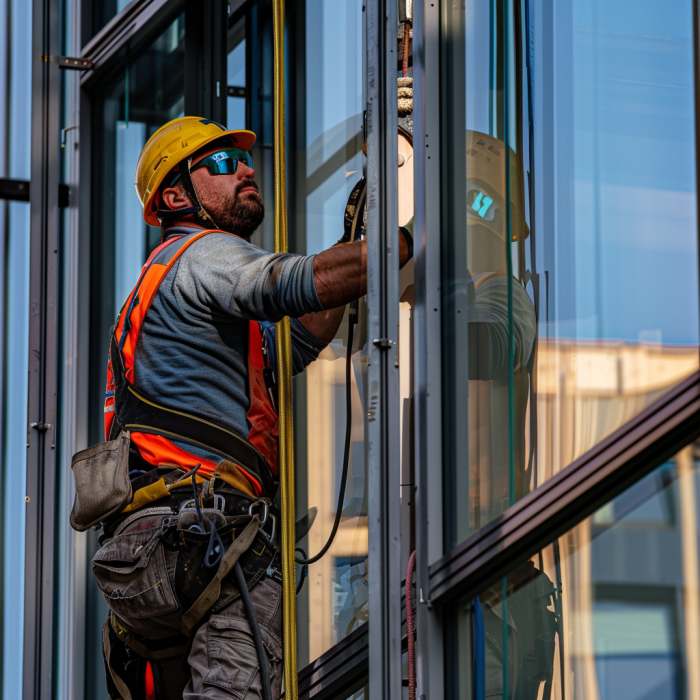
x=284, y=377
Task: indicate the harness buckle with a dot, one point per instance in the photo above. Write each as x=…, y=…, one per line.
x=219, y=503
x=264, y=505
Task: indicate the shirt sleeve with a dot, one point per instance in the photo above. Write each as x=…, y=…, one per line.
x=306, y=347
x=491, y=309
x=247, y=282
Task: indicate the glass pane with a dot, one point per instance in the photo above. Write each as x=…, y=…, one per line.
x=570, y=284
x=102, y=12
x=610, y=610
x=325, y=147
x=15, y=159
x=236, y=101
x=143, y=95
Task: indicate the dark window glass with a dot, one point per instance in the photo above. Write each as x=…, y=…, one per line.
x=143, y=95
x=103, y=11
x=610, y=610
x=140, y=97
x=569, y=236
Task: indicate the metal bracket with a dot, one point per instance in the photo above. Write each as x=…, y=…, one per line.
x=384, y=343
x=69, y=62
x=41, y=427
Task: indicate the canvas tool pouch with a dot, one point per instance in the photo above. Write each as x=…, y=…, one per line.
x=102, y=485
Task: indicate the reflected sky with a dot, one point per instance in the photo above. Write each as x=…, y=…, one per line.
x=625, y=244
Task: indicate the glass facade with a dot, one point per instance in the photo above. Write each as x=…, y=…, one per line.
x=609, y=610
x=569, y=290
x=329, y=162
x=145, y=92
x=555, y=239
x=15, y=105
x=237, y=98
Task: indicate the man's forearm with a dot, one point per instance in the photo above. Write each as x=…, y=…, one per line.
x=340, y=275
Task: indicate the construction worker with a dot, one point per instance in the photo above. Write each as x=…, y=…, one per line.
x=189, y=566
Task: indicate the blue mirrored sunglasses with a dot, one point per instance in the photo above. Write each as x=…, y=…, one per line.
x=225, y=162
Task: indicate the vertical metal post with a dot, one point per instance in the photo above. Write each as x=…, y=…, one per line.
x=43, y=291
x=206, y=29
x=427, y=332
x=383, y=443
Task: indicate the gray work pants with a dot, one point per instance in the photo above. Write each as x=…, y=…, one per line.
x=136, y=574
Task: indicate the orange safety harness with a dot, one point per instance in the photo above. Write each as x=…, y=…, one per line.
x=154, y=426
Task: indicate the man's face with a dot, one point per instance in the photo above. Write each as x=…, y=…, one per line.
x=233, y=201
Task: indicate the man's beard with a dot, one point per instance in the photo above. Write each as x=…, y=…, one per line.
x=243, y=214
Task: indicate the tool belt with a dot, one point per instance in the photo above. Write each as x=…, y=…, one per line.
x=224, y=525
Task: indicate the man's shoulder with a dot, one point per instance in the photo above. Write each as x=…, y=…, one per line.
x=220, y=246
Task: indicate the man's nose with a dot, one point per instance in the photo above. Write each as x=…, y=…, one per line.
x=246, y=173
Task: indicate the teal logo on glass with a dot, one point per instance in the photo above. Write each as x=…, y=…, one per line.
x=481, y=204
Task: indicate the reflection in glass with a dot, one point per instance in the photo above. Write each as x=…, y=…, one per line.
x=568, y=235
x=609, y=611
x=325, y=148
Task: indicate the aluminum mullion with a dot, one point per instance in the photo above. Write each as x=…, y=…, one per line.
x=428, y=351
x=43, y=288
x=383, y=435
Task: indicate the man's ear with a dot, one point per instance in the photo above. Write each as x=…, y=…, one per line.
x=175, y=198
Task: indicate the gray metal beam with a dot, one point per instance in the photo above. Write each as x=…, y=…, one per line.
x=206, y=29
x=427, y=330
x=43, y=296
x=591, y=481
x=134, y=26
x=383, y=434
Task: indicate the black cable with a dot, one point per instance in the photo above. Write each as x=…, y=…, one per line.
x=215, y=550
x=348, y=432
x=257, y=637
x=304, y=570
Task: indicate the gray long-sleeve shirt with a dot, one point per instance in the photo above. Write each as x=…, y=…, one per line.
x=192, y=352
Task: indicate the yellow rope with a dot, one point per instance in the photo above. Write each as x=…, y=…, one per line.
x=284, y=378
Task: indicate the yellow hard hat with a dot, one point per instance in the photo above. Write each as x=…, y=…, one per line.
x=170, y=145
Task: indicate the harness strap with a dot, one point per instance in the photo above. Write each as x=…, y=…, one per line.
x=121, y=686
x=146, y=416
x=211, y=593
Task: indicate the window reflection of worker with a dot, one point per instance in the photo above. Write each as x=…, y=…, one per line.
x=530, y=624
x=487, y=301
x=190, y=383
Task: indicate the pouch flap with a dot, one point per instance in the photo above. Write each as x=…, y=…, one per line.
x=126, y=553
x=102, y=485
